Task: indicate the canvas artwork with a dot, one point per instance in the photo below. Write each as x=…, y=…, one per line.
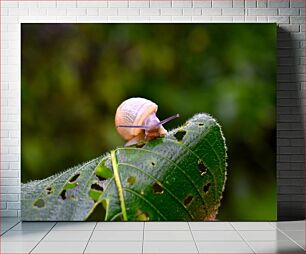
x=148, y=122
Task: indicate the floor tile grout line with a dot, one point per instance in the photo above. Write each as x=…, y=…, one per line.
x=143, y=232
x=158, y=240
x=10, y=228
x=161, y=230
x=290, y=238
x=135, y=230
x=247, y=243
x=273, y=225
x=93, y=230
x=189, y=224
x=193, y=238
x=43, y=238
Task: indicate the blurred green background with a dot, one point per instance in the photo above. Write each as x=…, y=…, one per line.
x=75, y=75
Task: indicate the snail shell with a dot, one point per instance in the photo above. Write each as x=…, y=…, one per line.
x=138, y=112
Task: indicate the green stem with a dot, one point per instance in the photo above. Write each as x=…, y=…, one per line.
x=118, y=184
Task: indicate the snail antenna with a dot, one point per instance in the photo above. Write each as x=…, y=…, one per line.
x=148, y=127
x=133, y=126
x=168, y=119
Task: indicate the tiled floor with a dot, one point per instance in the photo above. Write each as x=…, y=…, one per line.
x=152, y=237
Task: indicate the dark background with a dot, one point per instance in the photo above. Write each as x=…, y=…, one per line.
x=75, y=75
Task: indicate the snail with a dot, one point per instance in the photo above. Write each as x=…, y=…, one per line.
x=136, y=120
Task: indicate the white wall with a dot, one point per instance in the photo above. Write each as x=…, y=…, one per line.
x=289, y=14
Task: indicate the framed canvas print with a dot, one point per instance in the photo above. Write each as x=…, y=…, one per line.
x=148, y=122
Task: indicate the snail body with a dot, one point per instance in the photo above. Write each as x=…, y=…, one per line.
x=136, y=120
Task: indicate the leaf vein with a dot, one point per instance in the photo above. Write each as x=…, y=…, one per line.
x=148, y=202
x=165, y=188
x=158, y=154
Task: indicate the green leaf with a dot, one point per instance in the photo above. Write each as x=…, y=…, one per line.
x=179, y=177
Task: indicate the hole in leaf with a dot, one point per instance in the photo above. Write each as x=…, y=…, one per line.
x=142, y=216
x=74, y=178
x=102, y=172
x=153, y=163
x=40, y=203
x=179, y=135
x=201, y=124
x=201, y=167
x=63, y=194
x=188, y=200
x=98, y=214
x=140, y=145
x=95, y=195
x=97, y=187
x=100, y=178
x=131, y=180
x=206, y=187
x=157, y=189
x=118, y=217
x=49, y=190
x=70, y=186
